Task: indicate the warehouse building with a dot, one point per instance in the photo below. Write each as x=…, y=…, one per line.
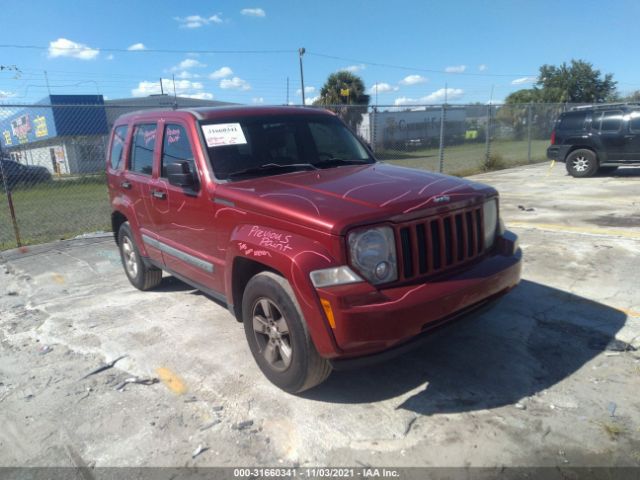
x=68, y=134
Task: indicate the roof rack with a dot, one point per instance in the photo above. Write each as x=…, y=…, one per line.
x=603, y=105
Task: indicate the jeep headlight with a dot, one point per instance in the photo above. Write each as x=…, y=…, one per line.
x=490, y=216
x=373, y=254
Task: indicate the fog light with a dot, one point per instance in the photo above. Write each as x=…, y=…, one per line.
x=382, y=269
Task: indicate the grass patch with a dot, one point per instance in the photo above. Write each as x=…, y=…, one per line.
x=55, y=210
x=467, y=159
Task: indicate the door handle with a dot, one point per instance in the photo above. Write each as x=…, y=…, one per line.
x=159, y=194
x=126, y=185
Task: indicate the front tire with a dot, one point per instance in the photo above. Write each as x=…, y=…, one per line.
x=139, y=274
x=582, y=163
x=278, y=337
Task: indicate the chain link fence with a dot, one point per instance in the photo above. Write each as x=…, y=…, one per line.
x=53, y=186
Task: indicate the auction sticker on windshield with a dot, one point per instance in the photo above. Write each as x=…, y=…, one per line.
x=222, y=134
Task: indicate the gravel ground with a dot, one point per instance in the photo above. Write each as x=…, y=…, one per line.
x=549, y=377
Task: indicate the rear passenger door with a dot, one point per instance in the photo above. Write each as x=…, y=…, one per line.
x=633, y=137
x=607, y=127
x=138, y=182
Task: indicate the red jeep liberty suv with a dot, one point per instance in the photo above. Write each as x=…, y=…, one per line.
x=327, y=256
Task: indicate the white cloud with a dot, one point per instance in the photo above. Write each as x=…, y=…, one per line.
x=199, y=96
x=310, y=100
x=186, y=74
x=413, y=80
x=253, y=12
x=110, y=56
x=136, y=47
x=188, y=63
x=235, y=83
x=523, y=80
x=456, y=69
x=184, y=88
x=436, y=97
x=354, y=68
x=307, y=90
x=258, y=100
x=6, y=94
x=63, y=47
x=221, y=73
x=439, y=95
x=382, y=88
x=482, y=67
x=197, y=21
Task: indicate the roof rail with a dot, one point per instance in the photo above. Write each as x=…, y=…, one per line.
x=603, y=105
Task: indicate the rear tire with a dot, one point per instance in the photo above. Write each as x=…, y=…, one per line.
x=582, y=163
x=139, y=274
x=278, y=337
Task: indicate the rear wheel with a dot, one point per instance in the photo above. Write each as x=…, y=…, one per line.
x=278, y=337
x=139, y=274
x=582, y=163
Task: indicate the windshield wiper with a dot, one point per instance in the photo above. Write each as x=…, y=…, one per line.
x=341, y=161
x=271, y=166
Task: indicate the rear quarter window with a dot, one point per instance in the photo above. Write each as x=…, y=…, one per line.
x=572, y=121
x=117, y=147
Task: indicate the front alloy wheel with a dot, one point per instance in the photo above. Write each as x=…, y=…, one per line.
x=272, y=334
x=277, y=335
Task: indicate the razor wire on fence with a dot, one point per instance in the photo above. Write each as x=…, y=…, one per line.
x=53, y=184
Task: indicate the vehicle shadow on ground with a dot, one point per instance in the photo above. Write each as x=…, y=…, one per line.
x=532, y=339
x=621, y=172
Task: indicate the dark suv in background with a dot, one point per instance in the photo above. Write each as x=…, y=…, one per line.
x=596, y=138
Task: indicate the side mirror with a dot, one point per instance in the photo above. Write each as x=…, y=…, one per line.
x=180, y=175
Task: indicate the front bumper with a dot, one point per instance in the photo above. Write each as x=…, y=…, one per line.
x=368, y=320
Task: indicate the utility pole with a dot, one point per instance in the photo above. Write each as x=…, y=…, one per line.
x=46, y=81
x=301, y=53
x=161, y=87
x=175, y=96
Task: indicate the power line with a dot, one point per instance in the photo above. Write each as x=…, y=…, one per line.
x=146, y=50
x=416, y=69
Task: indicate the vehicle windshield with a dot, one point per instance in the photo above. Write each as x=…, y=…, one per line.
x=276, y=144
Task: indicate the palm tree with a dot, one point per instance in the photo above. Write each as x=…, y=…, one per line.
x=344, y=93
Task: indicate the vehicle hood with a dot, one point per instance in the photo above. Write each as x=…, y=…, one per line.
x=336, y=199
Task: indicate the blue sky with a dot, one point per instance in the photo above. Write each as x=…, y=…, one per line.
x=473, y=47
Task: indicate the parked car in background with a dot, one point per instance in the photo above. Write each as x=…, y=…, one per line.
x=13, y=174
x=327, y=256
x=597, y=138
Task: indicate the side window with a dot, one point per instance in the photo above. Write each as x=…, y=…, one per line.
x=144, y=139
x=572, y=121
x=611, y=121
x=176, y=148
x=634, y=122
x=117, y=146
x=595, y=121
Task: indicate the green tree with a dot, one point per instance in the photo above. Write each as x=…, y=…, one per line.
x=349, y=107
x=632, y=97
x=577, y=82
